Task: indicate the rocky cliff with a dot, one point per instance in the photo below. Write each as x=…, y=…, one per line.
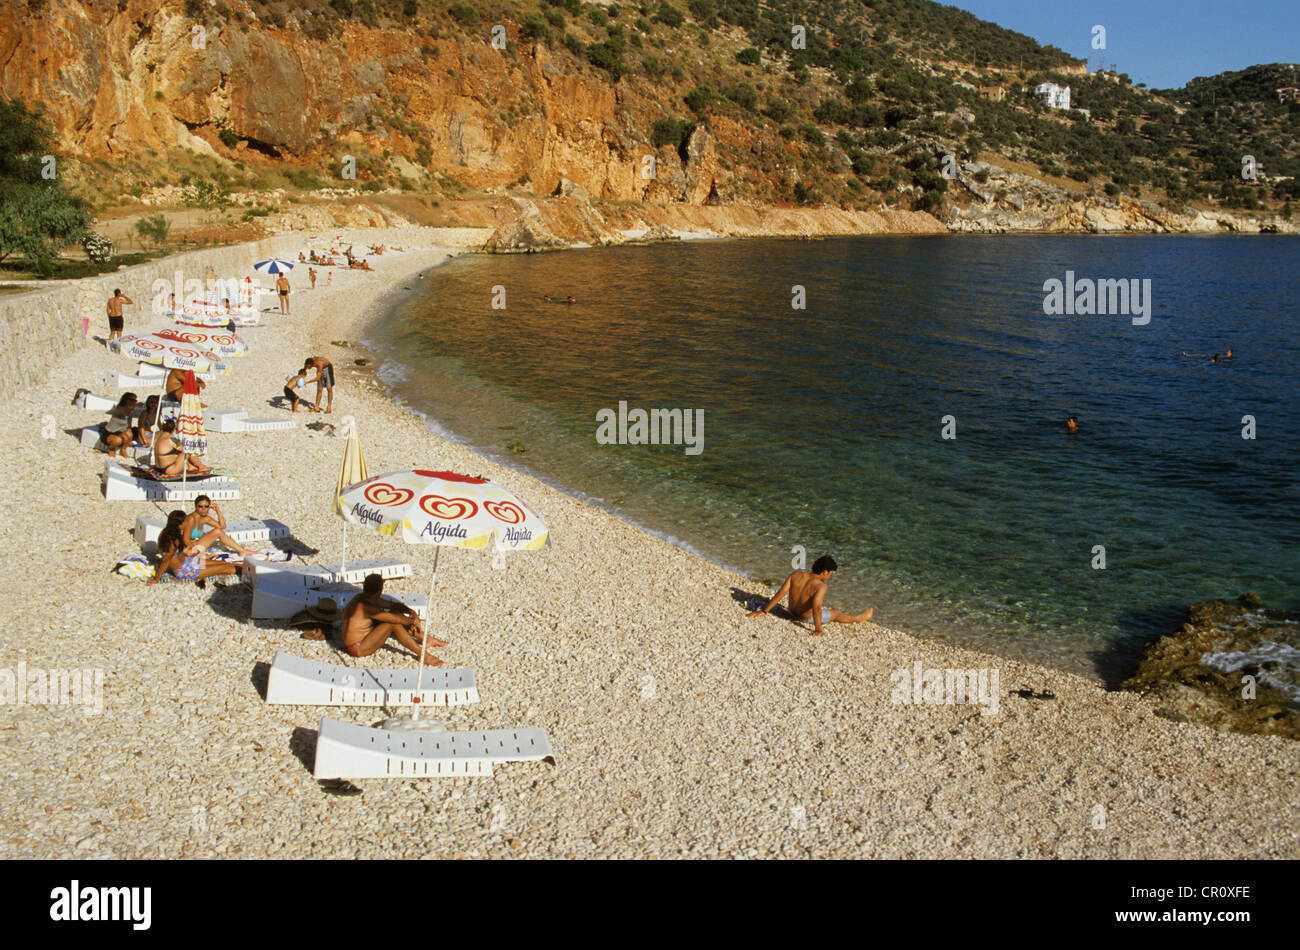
x=140, y=92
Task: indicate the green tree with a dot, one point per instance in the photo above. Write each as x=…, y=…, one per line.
x=38, y=216
x=154, y=228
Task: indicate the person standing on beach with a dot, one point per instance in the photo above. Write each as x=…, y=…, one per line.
x=115, y=303
x=311, y=272
x=807, y=591
x=282, y=285
x=324, y=380
x=369, y=620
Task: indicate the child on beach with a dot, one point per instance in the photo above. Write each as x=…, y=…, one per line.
x=292, y=384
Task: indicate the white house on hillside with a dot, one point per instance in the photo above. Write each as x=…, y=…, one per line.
x=1056, y=97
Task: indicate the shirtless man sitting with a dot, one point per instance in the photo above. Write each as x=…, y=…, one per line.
x=807, y=591
x=174, y=387
x=369, y=620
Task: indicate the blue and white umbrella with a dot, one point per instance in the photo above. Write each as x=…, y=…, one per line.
x=274, y=265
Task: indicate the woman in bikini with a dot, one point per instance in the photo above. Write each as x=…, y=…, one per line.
x=195, y=528
x=185, y=564
x=168, y=458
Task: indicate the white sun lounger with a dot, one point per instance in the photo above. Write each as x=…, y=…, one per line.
x=91, y=437
x=313, y=576
x=241, y=532
x=277, y=600
x=299, y=682
x=236, y=420
x=95, y=403
x=121, y=485
x=347, y=750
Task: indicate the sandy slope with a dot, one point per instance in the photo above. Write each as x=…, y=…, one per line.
x=680, y=726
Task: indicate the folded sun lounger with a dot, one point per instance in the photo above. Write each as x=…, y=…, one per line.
x=236, y=420
x=120, y=484
x=295, y=681
x=347, y=750
x=277, y=600
x=246, y=533
x=314, y=576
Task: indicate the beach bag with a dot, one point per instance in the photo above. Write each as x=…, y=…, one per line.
x=136, y=566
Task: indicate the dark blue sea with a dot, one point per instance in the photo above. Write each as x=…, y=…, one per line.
x=823, y=426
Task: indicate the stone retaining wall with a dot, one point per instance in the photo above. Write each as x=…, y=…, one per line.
x=39, y=328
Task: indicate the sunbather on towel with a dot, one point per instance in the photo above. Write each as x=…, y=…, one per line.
x=168, y=458
x=369, y=620
x=205, y=526
x=807, y=590
x=186, y=564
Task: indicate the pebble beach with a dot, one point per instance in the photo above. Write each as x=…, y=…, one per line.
x=681, y=728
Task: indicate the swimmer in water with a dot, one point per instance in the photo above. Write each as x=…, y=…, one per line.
x=1071, y=425
x=570, y=300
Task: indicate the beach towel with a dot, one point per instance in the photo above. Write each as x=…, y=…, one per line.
x=136, y=566
x=142, y=471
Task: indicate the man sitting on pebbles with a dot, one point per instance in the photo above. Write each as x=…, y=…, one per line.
x=369, y=620
x=807, y=590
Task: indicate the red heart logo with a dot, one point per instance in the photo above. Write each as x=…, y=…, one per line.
x=506, y=511
x=385, y=495
x=448, y=509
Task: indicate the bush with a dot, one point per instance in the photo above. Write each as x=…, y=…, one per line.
x=778, y=110
x=812, y=135
x=669, y=15
x=743, y=95
x=700, y=9
x=674, y=132
x=653, y=66
x=534, y=28
x=749, y=56
x=228, y=138
x=802, y=193
x=555, y=18
x=604, y=56
x=464, y=14
x=154, y=227
x=575, y=45
x=97, y=247
x=573, y=6
x=699, y=98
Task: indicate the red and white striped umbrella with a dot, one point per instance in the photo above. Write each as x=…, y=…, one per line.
x=189, y=421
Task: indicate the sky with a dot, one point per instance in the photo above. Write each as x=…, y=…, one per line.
x=1162, y=43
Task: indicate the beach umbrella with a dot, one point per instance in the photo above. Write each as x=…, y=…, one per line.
x=169, y=354
x=189, y=424
x=444, y=509
x=274, y=265
x=220, y=342
x=352, y=470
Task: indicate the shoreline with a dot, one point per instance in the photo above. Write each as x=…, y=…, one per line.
x=681, y=728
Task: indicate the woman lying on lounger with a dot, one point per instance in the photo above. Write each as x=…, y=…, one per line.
x=186, y=563
x=168, y=458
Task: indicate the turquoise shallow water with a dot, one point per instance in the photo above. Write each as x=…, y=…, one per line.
x=822, y=426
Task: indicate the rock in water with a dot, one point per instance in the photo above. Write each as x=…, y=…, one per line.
x=1232, y=666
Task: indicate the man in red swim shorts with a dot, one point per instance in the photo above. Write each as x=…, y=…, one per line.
x=369, y=620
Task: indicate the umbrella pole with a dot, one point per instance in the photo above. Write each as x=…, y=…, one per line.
x=428, y=610
x=343, y=564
